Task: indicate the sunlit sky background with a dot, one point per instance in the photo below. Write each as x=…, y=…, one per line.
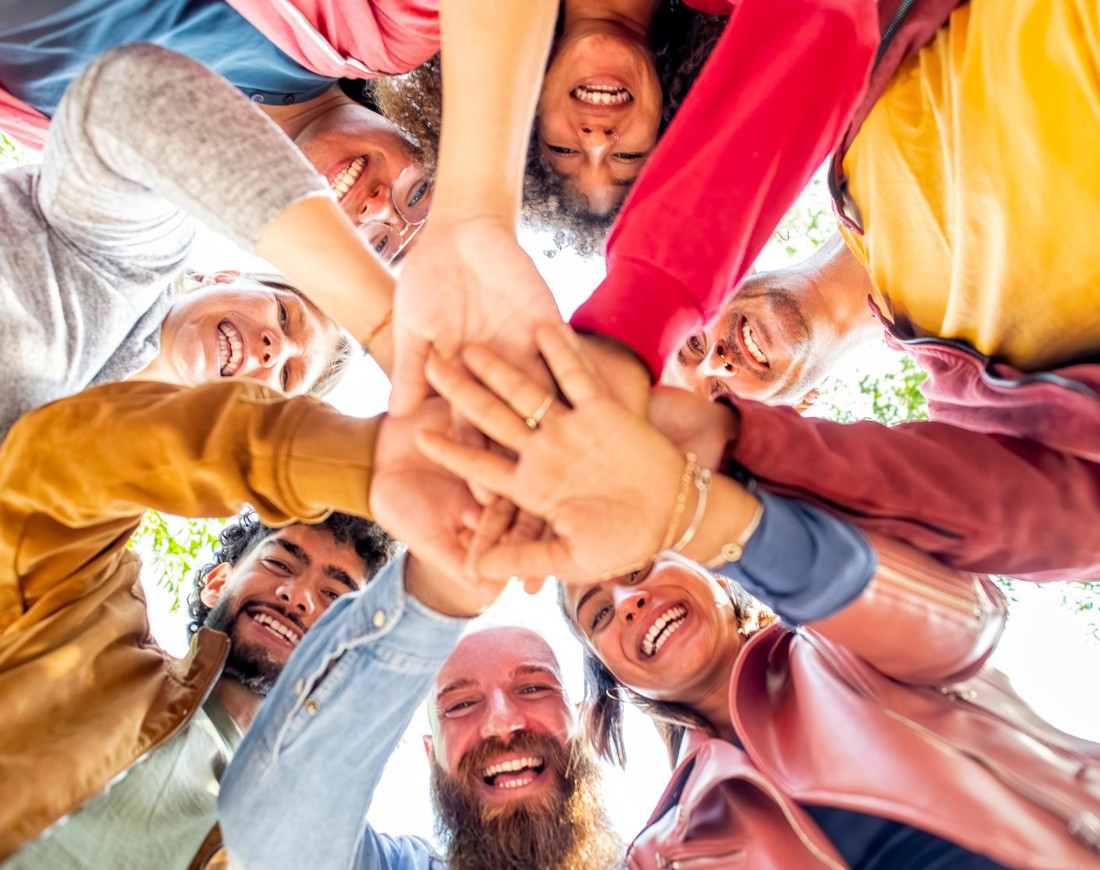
x=1048, y=650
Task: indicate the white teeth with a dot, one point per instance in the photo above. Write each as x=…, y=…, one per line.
x=602, y=95
x=345, y=178
x=750, y=343
x=230, y=349
x=512, y=766
x=278, y=627
x=663, y=629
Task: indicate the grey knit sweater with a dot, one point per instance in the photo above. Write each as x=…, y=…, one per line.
x=143, y=143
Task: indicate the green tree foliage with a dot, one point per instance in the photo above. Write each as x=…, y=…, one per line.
x=174, y=548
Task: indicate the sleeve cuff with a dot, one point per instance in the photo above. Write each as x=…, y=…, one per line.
x=643, y=307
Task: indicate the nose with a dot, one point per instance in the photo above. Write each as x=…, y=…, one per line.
x=630, y=603
x=297, y=597
x=502, y=717
x=719, y=361
x=274, y=349
x=378, y=206
x=597, y=140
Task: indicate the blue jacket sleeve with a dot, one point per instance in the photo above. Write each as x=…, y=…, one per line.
x=803, y=562
x=303, y=778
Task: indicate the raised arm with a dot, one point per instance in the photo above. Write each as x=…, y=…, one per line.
x=770, y=104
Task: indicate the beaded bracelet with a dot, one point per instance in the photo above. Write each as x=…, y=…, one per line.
x=690, y=467
x=386, y=321
x=702, y=485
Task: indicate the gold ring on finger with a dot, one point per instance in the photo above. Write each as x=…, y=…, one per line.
x=536, y=418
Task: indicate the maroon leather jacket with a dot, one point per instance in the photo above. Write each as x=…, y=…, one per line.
x=883, y=709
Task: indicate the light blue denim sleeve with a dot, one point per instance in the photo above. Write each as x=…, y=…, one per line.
x=802, y=562
x=298, y=789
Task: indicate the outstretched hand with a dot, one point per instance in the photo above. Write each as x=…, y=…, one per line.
x=603, y=479
x=466, y=281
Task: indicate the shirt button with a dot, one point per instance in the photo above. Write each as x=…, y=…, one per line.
x=312, y=707
x=379, y=618
x=256, y=98
x=298, y=686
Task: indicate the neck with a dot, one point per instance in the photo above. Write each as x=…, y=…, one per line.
x=237, y=701
x=634, y=15
x=849, y=285
x=158, y=370
x=295, y=118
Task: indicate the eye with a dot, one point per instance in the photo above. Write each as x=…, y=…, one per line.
x=331, y=594
x=598, y=617
x=557, y=149
x=630, y=155
x=537, y=689
x=460, y=707
x=284, y=377
x=697, y=344
x=284, y=315
x=276, y=566
x=419, y=194
x=381, y=245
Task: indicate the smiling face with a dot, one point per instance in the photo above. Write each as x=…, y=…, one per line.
x=670, y=633
x=374, y=171
x=599, y=113
x=244, y=329
x=272, y=596
x=501, y=720
x=765, y=346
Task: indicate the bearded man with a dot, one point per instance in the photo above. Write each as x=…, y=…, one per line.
x=512, y=784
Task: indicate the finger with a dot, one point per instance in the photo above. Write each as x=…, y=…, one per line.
x=475, y=403
x=533, y=585
x=466, y=433
x=526, y=527
x=574, y=378
x=531, y=559
x=495, y=521
x=474, y=465
x=524, y=394
x=410, y=387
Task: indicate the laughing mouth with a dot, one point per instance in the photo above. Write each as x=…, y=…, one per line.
x=515, y=773
x=230, y=349
x=662, y=629
x=602, y=95
x=748, y=339
x=272, y=623
x=343, y=180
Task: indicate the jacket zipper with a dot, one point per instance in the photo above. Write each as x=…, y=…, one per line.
x=1010, y=383
x=956, y=602
x=664, y=863
x=891, y=29
x=780, y=799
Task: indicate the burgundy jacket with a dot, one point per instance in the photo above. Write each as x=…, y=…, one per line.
x=884, y=709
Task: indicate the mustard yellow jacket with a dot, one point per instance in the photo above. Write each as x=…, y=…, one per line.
x=84, y=689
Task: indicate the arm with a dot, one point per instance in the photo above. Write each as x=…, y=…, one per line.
x=301, y=783
x=145, y=137
x=976, y=502
x=76, y=476
x=754, y=128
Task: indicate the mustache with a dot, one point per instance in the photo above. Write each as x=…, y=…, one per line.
x=554, y=754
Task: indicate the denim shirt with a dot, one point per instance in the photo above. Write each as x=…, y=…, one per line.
x=298, y=789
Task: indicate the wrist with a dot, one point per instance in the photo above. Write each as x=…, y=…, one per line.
x=437, y=592
x=729, y=519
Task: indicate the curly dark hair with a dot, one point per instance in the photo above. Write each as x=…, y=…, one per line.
x=605, y=698
x=239, y=538
x=683, y=39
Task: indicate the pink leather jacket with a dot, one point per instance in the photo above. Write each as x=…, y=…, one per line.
x=884, y=709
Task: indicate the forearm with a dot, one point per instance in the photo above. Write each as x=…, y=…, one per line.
x=315, y=246
x=494, y=56
x=303, y=779
x=76, y=476
x=754, y=128
x=144, y=134
x=976, y=502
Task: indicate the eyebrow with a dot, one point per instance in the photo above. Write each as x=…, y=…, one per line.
x=592, y=590
x=455, y=685
x=333, y=572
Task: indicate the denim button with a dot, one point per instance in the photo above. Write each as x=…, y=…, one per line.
x=312, y=707
x=379, y=618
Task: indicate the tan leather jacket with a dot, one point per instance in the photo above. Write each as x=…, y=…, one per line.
x=883, y=709
x=84, y=690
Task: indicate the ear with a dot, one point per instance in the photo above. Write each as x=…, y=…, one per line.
x=808, y=400
x=428, y=746
x=214, y=584
x=225, y=276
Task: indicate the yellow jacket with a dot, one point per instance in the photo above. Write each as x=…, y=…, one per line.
x=84, y=690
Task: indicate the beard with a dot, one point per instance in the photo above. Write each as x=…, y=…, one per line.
x=247, y=663
x=562, y=828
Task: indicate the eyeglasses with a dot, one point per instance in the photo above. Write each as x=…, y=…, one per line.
x=410, y=196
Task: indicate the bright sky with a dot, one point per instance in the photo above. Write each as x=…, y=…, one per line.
x=1048, y=650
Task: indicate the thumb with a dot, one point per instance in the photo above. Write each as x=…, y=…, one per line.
x=528, y=559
